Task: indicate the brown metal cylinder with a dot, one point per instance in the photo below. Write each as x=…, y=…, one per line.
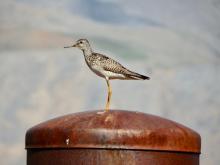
x=115, y=137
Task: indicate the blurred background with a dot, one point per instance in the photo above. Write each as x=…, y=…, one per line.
x=175, y=42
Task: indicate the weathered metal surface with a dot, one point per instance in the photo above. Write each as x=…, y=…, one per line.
x=108, y=157
x=112, y=130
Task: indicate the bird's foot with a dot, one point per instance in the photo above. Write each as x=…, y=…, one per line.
x=101, y=112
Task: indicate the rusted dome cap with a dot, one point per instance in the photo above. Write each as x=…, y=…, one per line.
x=115, y=129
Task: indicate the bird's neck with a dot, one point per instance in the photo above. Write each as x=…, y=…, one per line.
x=87, y=52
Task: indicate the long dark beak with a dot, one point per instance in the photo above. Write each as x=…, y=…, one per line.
x=70, y=46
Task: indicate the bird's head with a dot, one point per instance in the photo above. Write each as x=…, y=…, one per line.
x=82, y=44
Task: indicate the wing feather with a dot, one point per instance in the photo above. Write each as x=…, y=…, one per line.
x=109, y=64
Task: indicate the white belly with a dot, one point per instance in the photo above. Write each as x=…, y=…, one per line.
x=103, y=73
x=113, y=75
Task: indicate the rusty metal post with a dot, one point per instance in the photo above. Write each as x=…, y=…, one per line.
x=112, y=138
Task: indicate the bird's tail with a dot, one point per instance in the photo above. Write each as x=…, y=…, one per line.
x=137, y=76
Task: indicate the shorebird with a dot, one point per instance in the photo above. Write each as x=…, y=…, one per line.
x=105, y=67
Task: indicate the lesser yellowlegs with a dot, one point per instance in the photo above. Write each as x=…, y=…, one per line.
x=105, y=67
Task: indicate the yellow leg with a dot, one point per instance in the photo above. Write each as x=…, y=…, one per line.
x=109, y=96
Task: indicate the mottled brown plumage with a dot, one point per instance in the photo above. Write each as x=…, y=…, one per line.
x=106, y=67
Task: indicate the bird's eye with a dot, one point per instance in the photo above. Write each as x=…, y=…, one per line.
x=80, y=42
